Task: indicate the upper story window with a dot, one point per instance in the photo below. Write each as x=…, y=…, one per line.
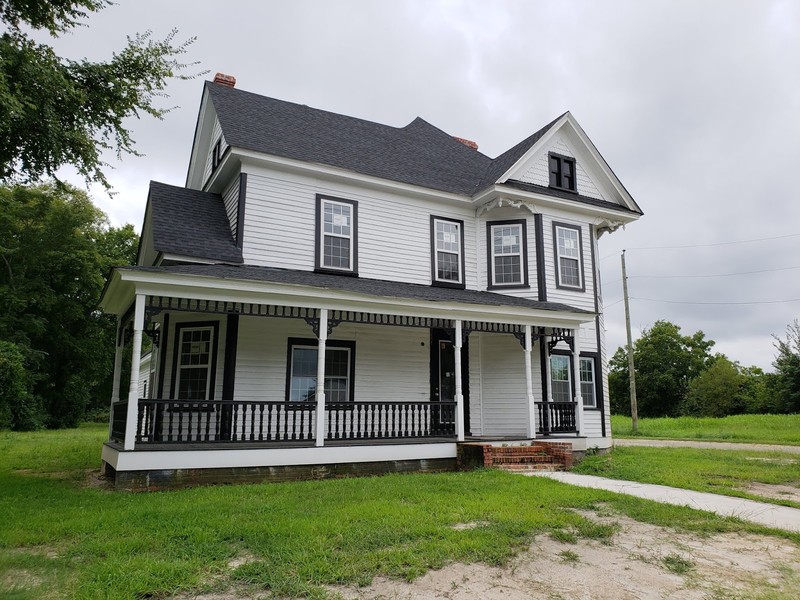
x=337, y=239
x=216, y=155
x=507, y=253
x=569, y=257
x=447, y=251
x=562, y=172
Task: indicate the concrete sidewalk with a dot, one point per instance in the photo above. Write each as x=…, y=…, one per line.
x=771, y=515
x=709, y=445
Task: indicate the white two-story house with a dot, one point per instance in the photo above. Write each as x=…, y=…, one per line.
x=331, y=295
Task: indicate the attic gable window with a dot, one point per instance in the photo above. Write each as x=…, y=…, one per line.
x=447, y=252
x=337, y=222
x=216, y=155
x=562, y=172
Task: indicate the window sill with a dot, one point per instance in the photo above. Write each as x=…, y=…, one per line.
x=571, y=288
x=335, y=272
x=563, y=189
x=509, y=286
x=449, y=284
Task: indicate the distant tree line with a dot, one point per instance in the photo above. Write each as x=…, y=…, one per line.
x=676, y=375
x=56, y=347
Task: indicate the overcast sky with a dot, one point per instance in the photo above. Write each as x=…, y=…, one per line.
x=694, y=104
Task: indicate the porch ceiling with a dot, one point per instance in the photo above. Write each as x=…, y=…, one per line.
x=267, y=285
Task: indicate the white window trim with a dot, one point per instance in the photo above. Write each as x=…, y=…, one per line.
x=590, y=402
x=569, y=375
x=458, y=254
x=494, y=255
x=327, y=349
x=323, y=234
x=181, y=367
x=561, y=283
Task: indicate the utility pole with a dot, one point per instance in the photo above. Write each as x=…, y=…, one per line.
x=631, y=370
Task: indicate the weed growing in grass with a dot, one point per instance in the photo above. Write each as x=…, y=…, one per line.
x=565, y=537
x=675, y=563
x=568, y=556
x=601, y=532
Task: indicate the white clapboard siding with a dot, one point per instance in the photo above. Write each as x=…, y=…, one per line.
x=503, y=396
x=231, y=199
x=394, y=239
x=216, y=135
x=576, y=298
x=538, y=171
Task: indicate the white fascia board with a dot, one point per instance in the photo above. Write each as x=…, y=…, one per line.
x=546, y=201
x=200, y=130
x=192, y=259
x=335, y=173
x=198, y=287
x=542, y=141
x=142, y=459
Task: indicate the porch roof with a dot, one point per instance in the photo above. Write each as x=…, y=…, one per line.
x=359, y=285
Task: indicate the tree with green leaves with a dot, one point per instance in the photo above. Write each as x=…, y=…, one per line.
x=56, y=249
x=666, y=361
x=55, y=111
x=718, y=391
x=787, y=368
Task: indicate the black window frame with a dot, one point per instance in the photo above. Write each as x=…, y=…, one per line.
x=314, y=343
x=216, y=155
x=490, y=255
x=597, y=371
x=435, y=281
x=177, y=341
x=319, y=236
x=557, y=262
x=557, y=175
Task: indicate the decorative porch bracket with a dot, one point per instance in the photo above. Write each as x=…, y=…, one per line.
x=314, y=324
x=561, y=335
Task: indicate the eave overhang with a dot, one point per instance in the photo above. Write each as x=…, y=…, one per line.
x=124, y=284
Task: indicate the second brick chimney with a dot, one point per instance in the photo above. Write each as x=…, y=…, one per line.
x=466, y=142
x=223, y=79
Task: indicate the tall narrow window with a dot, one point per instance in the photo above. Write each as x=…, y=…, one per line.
x=302, y=371
x=336, y=234
x=569, y=259
x=508, y=262
x=588, y=383
x=562, y=172
x=561, y=379
x=447, y=237
x=195, y=363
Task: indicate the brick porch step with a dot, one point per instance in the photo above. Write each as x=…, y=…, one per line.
x=533, y=456
x=528, y=468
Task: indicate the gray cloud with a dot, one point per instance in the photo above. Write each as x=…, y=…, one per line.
x=694, y=105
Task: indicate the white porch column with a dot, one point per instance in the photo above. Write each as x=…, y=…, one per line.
x=459, y=392
x=576, y=366
x=529, y=384
x=322, y=337
x=136, y=358
x=117, y=374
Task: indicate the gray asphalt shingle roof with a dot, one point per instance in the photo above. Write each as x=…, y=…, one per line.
x=370, y=287
x=191, y=223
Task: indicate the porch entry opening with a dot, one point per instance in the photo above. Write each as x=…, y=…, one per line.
x=443, y=374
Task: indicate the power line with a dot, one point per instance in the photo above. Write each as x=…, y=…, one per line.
x=777, y=237
x=704, y=276
x=718, y=303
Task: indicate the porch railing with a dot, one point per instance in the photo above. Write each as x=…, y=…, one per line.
x=260, y=422
x=386, y=420
x=119, y=415
x=557, y=417
x=176, y=421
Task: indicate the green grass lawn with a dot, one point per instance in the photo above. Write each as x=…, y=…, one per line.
x=65, y=539
x=761, y=429
x=716, y=471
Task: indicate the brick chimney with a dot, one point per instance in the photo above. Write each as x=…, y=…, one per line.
x=223, y=79
x=466, y=142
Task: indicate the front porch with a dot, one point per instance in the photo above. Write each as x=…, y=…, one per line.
x=235, y=381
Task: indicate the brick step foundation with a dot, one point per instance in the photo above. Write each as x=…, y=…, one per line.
x=536, y=456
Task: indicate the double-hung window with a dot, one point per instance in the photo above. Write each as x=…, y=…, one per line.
x=195, y=354
x=337, y=239
x=447, y=250
x=588, y=389
x=508, y=263
x=562, y=172
x=569, y=259
x=302, y=371
x=561, y=379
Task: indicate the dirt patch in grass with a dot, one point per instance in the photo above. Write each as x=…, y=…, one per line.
x=776, y=491
x=641, y=561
